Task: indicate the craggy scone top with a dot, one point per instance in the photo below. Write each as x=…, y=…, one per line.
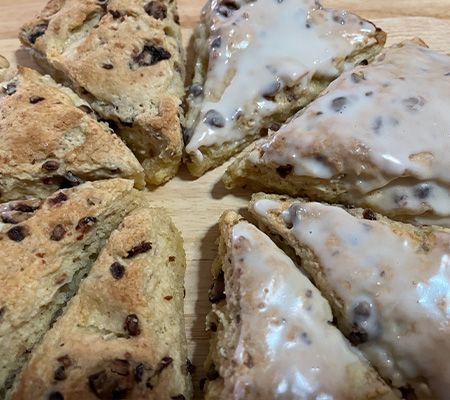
x=381, y=131
x=257, y=49
x=391, y=280
x=286, y=346
x=124, y=57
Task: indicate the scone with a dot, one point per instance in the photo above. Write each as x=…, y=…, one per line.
x=387, y=282
x=260, y=62
x=272, y=332
x=46, y=247
x=49, y=141
x=125, y=58
x=378, y=138
x=122, y=336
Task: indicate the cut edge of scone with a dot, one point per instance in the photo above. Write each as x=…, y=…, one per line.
x=223, y=323
x=59, y=144
x=156, y=140
x=129, y=313
x=216, y=155
x=43, y=234
x=279, y=230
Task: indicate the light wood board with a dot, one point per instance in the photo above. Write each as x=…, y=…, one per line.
x=196, y=205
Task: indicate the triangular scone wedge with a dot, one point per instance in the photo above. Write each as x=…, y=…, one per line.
x=387, y=282
x=48, y=140
x=378, y=138
x=125, y=58
x=273, y=336
x=260, y=62
x=45, y=250
x=122, y=336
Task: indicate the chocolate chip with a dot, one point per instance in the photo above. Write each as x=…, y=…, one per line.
x=178, y=397
x=115, y=14
x=86, y=109
x=70, y=180
x=216, y=292
x=369, y=214
x=86, y=223
x=284, y=170
x=18, y=233
x=275, y=126
x=55, y=396
x=60, y=373
x=65, y=360
x=216, y=43
x=196, y=90
x=305, y=338
x=308, y=293
x=120, y=367
x=150, y=55
x=213, y=327
x=368, y=94
x=171, y=258
x=164, y=363
x=139, y=372
x=37, y=31
x=190, y=368
x=447, y=74
x=362, y=311
x=227, y=8
x=10, y=88
x=338, y=104
x=408, y=393
x=50, y=165
x=36, y=99
x=212, y=373
x=97, y=382
x=357, y=77
x=400, y=199
x=156, y=9
x=107, y=66
x=58, y=233
x=142, y=247
x=59, y=198
x=25, y=208
x=214, y=118
x=414, y=103
x=358, y=337
x=117, y=270
x=364, y=62
x=131, y=325
x=422, y=191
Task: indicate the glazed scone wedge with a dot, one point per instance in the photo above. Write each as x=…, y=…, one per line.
x=388, y=284
x=49, y=141
x=122, y=336
x=125, y=58
x=260, y=62
x=272, y=333
x=46, y=247
x=378, y=138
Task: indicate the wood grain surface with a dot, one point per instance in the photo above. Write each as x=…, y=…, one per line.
x=196, y=205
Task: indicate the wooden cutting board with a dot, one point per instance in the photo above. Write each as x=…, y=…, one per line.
x=196, y=205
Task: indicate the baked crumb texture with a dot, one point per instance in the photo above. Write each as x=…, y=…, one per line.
x=125, y=58
x=260, y=62
x=386, y=281
x=378, y=138
x=122, y=336
x=50, y=139
x=272, y=332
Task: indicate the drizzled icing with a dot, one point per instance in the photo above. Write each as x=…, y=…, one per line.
x=395, y=290
x=286, y=341
x=377, y=126
x=257, y=48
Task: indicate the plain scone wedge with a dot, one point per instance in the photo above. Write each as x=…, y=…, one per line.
x=46, y=247
x=49, y=141
x=377, y=138
x=122, y=336
x=258, y=62
x=125, y=58
x=272, y=333
x=387, y=282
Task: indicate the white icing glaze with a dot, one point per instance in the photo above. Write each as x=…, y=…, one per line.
x=261, y=47
x=378, y=123
x=295, y=353
x=401, y=287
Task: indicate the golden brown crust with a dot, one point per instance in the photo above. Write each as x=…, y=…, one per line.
x=44, y=257
x=46, y=132
x=125, y=58
x=92, y=350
